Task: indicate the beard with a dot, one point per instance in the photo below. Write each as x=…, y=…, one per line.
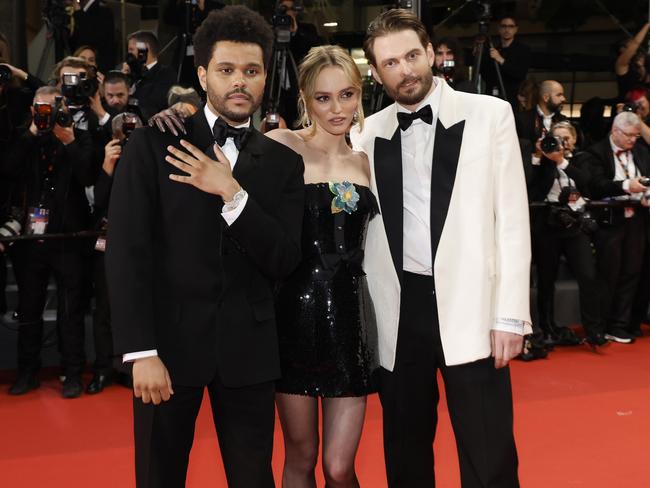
x=238, y=116
x=413, y=96
x=554, y=107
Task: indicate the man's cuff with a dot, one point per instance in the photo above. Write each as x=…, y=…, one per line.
x=626, y=186
x=104, y=119
x=514, y=326
x=230, y=215
x=132, y=356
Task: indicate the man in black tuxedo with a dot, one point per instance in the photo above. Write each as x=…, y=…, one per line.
x=151, y=82
x=193, y=252
x=49, y=166
x=617, y=164
x=533, y=125
x=94, y=26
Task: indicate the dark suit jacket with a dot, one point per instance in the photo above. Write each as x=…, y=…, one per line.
x=72, y=171
x=185, y=283
x=602, y=166
x=96, y=28
x=540, y=177
x=151, y=91
x=513, y=70
x=530, y=124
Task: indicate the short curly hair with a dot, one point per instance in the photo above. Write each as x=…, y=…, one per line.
x=234, y=23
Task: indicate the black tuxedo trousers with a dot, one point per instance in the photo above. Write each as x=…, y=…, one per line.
x=479, y=398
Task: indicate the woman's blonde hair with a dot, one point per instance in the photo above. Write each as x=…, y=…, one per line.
x=316, y=60
x=565, y=124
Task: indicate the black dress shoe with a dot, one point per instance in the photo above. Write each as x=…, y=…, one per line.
x=24, y=383
x=72, y=387
x=562, y=336
x=596, y=339
x=98, y=383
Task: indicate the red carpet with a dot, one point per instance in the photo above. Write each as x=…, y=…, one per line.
x=582, y=420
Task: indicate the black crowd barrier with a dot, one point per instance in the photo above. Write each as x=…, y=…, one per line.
x=44, y=237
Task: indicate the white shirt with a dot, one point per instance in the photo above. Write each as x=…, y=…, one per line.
x=621, y=163
x=563, y=180
x=232, y=153
x=547, y=120
x=417, y=162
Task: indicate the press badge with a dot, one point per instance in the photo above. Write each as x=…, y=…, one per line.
x=38, y=218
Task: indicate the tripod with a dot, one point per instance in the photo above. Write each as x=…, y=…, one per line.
x=282, y=66
x=479, y=48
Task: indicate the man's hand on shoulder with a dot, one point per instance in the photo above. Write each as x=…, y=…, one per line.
x=505, y=346
x=151, y=380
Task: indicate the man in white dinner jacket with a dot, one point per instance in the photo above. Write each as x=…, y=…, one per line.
x=448, y=262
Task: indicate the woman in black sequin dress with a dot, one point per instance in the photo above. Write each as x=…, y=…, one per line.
x=324, y=313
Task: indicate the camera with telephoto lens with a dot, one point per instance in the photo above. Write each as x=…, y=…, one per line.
x=562, y=216
x=5, y=75
x=447, y=68
x=551, y=144
x=47, y=115
x=138, y=63
x=78, y=89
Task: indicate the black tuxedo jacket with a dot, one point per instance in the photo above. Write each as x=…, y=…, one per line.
x=530, y=125
x=540, y=177
x=151, y=91
x=602, y=167
x=184, y=282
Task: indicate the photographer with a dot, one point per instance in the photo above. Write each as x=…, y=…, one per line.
x=562, y=227
x=116, y=88
x=94, y=26
x=535, y=124
x=122, y=126
x=512, y=57
x=80, y=88
x=302, y=37
x=630, y=65
x=617, y=165
x=449, y=63
x=150, y=80
x=50, y=163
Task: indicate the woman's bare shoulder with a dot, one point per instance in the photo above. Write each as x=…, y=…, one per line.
x=285, y=136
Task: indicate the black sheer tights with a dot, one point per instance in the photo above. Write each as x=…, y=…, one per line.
x=342, y=424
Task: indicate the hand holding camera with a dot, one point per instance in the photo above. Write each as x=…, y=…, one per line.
x=639, y=184
x=552, y=147
x=112, y=153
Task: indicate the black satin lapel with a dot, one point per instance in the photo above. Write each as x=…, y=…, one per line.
x=199, y=132
x=248, y=160
x=443, y=176
x=388, y=174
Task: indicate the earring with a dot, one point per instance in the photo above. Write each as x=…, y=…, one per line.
x=355, y=117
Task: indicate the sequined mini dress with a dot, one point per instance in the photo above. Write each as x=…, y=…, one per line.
x=325, y=319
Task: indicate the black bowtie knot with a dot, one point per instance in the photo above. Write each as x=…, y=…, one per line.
x=223, y=131
x=405, y=119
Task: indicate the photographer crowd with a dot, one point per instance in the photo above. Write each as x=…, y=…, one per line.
x=60, y=143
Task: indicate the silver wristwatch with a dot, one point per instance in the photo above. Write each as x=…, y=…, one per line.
x=236, y=200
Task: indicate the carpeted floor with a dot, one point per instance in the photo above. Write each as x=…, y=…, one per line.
x=582, y=419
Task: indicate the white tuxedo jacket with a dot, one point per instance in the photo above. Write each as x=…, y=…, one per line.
x=479, y=222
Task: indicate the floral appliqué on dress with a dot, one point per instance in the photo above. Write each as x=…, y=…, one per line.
x=346, y=197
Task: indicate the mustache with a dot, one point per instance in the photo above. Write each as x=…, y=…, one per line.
x=409, y=80
x=239, y=91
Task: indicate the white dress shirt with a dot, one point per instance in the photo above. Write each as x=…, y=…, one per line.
x=563, y=180
x=417, y=161
x=232, y=153
x=623, y=162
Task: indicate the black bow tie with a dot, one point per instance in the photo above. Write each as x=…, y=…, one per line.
x=223, y=131
x=406, y=119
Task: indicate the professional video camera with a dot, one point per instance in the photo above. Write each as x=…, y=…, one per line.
x=282, y=22
x=138, y=63
x=46, y=116
x=78, y=89
x=5, y=75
